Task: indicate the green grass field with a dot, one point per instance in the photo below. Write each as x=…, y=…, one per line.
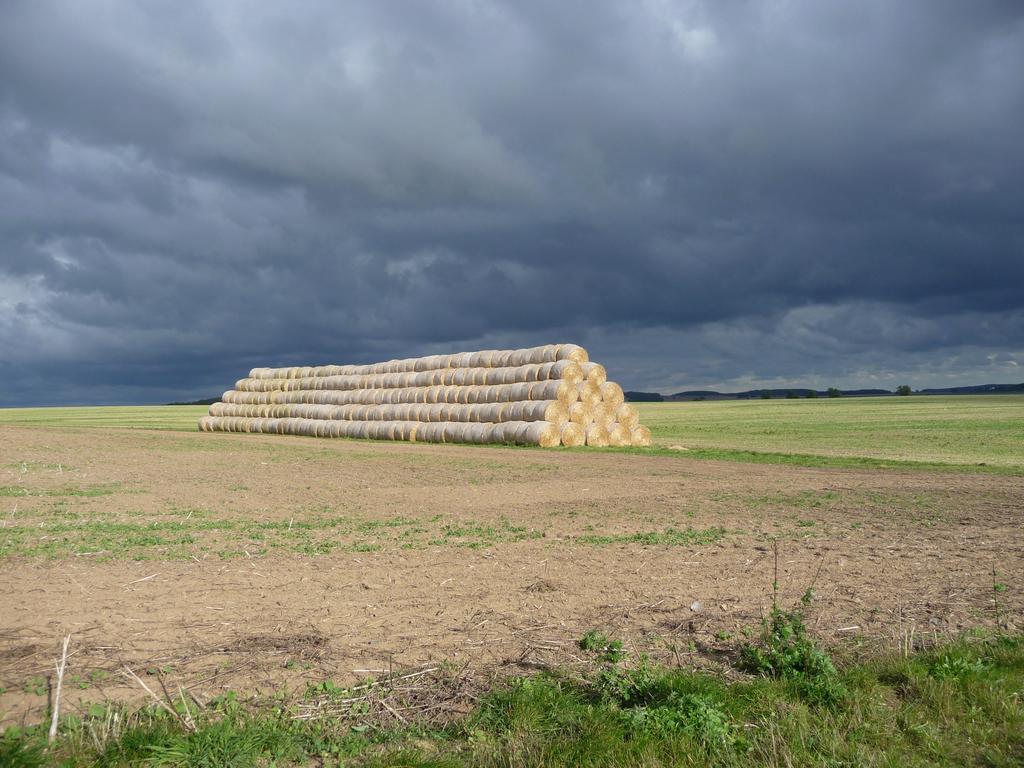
x=956, y=431
x=174, y=417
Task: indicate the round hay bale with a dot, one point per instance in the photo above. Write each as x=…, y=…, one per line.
x=505, y=432
x=573, y=435
x=523, y=410
x=544, y=433
x=500, y=358
x=619, y=435
x=479, y=360
x=473, y=432
x=597, y=436
x=612, y=393
x=604, y=415
x=628, y=415
x=533, y=410
x=555, y=412
x=572, y=352
x=580, y=413
x=641, y=435
x=589, y=393
x=569, y=370
x=595, y=373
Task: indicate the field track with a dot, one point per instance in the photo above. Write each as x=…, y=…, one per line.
x=220, y=561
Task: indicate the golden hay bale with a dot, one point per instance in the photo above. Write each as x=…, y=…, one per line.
x=573, y=435
x=572, y=352
x=580, y=413
x=544, y=433
x=603, y=415
x=562, y=391
x=569, y=370
x=641, y=436
x=628, y=415
x=555, y=412
x=597, y=436
x=619, y=435
x=589, y=393
x=612, y=393
x=594, y=373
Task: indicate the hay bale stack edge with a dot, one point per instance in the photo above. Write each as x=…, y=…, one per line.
x=548, y=396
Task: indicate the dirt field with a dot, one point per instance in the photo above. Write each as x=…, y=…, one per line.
x=250, y=563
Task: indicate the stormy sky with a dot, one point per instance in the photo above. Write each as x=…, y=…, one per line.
x=724, y=194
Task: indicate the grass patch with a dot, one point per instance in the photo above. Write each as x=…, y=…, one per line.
x=952, y=706
x=670, y=537
x=812, y=460
x=183, y=418
x=181, y=534
x=88, y=491
x=186, y=533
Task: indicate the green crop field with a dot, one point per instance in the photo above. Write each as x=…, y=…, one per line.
x=176, y=417
x=983, y=431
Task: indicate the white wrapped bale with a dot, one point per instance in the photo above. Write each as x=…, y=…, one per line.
x=563, y=369
x=492, y=358
x=525, y=410
x=555, y=389
x=542, y=433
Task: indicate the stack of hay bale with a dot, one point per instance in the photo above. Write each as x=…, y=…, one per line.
x=548, y=396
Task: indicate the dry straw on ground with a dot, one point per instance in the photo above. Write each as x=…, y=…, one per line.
x=547, y=396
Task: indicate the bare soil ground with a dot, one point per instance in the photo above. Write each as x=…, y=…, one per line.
x=234, y=562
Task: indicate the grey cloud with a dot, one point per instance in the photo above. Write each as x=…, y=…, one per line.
x=705, y=193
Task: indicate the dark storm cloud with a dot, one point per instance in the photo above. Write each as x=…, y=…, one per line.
x=704, y=193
